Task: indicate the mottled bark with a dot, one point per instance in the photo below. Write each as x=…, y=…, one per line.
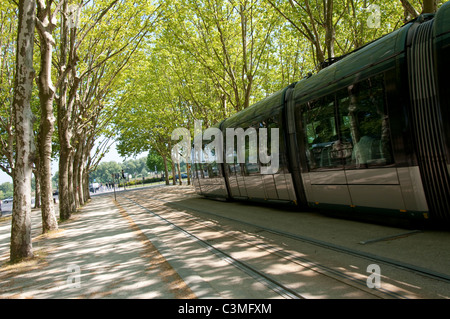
x=45, y=26
x=179, y=174
x=37, y=196
x=87, y=196
x=79, y=170
x=73, y=206
x=174, y=174
x=86, y=185
x=21, y=246
x=64, y=202
x=64, y=121
x=75, y=179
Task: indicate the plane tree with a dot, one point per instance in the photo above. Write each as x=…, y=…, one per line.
x=150, y=109
x=93, y=53
x=21, y=246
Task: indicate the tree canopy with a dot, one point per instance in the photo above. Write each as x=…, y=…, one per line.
x=133, y=71
x=210, y=59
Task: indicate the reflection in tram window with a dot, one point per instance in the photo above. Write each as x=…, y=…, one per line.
x=364, y=123
x=321, y=133
x=251, y=151
x=205, y=171
x=212, y=170
x=359, y=137
x=252, y=164
x=231, y=169
x=270, y=124
x=197, y=170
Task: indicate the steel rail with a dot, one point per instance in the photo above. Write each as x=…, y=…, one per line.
x=319, y=268
x=263, y=278
x=388, y=261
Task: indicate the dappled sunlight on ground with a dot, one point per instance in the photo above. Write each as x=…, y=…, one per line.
x=110, y=259
x=122, y=250
x=316, y=273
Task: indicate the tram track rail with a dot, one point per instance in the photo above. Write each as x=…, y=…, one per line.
x=269, y=281
x=259, y=276
x=338, y=248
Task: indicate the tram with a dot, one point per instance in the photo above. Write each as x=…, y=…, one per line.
x=366, y=135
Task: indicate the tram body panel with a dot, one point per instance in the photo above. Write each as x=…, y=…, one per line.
x=376, y=176
x=325, y=195
x=269, y=186
x=242, y=188
x=412, y=189
x=234, y=186
x=255, y=186
x=377, y=196
x=282, y=186
x=290, y=188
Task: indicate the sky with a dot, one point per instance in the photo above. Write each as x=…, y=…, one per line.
x=112, y=155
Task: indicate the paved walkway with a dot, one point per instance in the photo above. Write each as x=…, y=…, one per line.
x=99, y=253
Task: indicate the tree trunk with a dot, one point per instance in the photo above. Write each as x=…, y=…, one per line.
x=166, y=170
x=188, y=168
x=179, y=173
x=174, y=174
x=21, y=246
x=76, y=174
x=80, y=184
x=329, y=32
x=37, y=193
x=64, y=202
x=49, y=221
x=87, y=195
x=429, y=6
x=64, y=117
x=45, y=28
x=86, y=184
x=81, y=175
x=70, y=175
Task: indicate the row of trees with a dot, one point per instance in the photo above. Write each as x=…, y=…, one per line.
x=60, y=62
x=6, y=190
x=151, y=167
x=103, y=172
x=72, y=71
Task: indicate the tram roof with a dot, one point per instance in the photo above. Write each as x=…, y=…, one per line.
x=259, y=111
x=368, y=60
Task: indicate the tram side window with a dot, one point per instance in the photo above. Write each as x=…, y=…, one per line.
x=273, y=123
x=214, y=170
x=251, y=152
x=231, y=169
x=249, y=148
x=321, y=133
x=193, y=170
x=364, y=124
x=205, y=170
x=234, y=169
